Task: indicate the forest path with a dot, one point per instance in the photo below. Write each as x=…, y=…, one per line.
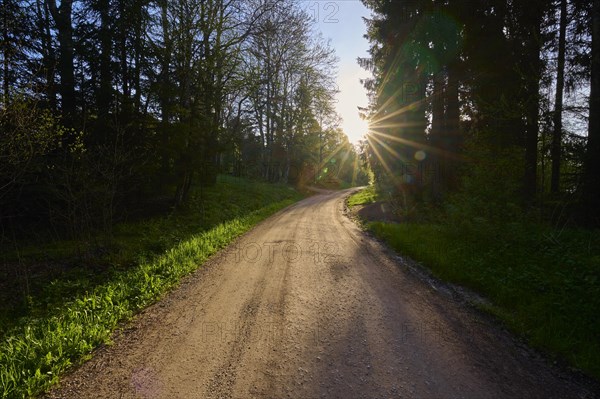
x=306, y=305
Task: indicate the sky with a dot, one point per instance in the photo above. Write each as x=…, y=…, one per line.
x=341, y=22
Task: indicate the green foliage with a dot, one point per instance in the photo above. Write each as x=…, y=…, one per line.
x=364, y=197
x=543, y=283
x=80, y=313
x=488, y=196
x=27, y=134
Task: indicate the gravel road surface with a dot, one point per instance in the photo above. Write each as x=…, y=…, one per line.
x=306, y=305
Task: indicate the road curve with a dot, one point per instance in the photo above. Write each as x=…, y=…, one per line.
x=308, y=306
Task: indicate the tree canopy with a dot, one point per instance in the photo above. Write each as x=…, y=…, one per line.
x=464, y=87
x=112, y=106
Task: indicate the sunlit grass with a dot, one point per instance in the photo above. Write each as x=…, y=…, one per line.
x=81, y=314
x=364, y=197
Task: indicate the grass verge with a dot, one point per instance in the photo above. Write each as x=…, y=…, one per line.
x=364, y=197
x=544, y=284
x=58, y=333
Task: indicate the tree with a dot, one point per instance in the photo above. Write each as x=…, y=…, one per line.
x=149, y=98
x=62, y=16
x=290, y=92
x=558, y=101
x=591, y=183
x=448, y=74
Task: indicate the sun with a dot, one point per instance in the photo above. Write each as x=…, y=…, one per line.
x=355, y=127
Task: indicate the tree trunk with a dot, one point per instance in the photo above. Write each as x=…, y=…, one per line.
x=183, y=188
x=62, y=18
x=138, y=48
x=452, y=128
x=591, y=186
x=123, y=64
x=438, y=134
x=6, y=60
x=533, y=71
x=104, y=95
x=558, y=102
x=48, y=55
x=165, y=80
x=437, y=111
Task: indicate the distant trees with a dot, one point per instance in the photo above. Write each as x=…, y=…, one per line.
x=456, y=82
x=108, y=105
x=290, y=97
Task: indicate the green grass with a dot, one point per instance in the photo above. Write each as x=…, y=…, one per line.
x=364, y=197
x=75, y=313
x=543, y=283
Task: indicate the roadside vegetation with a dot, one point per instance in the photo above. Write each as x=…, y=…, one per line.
x=75, y=302
x=485, y=145
x=542, y=282
x=363, y=197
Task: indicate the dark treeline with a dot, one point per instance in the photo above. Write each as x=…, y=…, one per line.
x=495, y=103
x=113, y=106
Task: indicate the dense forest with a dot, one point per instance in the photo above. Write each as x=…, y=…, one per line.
x=113, y=109
x=484, y=142
x=489, y=107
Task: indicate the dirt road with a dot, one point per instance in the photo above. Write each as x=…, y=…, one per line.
x=307, y=306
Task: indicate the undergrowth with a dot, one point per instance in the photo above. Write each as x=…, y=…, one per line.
x=75, y=313
x=543, y=282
